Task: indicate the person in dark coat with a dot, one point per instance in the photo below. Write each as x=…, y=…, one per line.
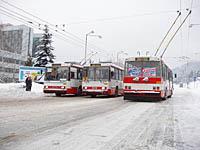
x=28, y=83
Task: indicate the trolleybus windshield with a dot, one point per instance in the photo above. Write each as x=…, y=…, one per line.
x=57, y=73
x=98, y=73
x=143, y=68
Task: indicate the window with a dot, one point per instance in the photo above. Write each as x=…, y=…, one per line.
x=57, y=73
x=73, y=73
x=102, y=73
x=79, y=74
x=91, y=72
x=98, y=73
x=142, y=68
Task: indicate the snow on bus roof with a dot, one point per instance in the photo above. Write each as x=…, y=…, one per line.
x=67, y=64
x=143, y=59
x=105, y=64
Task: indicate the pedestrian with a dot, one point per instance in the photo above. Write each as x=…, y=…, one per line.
x=28, y=83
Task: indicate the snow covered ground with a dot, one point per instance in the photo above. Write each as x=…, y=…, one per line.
x=18, y=90
x=83, y=123
x=13, y=90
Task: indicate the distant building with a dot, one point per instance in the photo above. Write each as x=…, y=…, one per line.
x=15, y=47
x=36, y=41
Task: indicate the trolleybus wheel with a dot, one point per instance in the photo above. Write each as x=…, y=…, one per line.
x=58, y=94
x=116, y=91
x=93, y=96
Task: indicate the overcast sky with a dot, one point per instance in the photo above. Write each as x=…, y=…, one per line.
x=125, y=25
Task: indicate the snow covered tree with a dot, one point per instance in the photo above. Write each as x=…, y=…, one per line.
x=44, y=53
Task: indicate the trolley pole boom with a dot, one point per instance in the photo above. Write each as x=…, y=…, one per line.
x=176, y=33
x=179, y=14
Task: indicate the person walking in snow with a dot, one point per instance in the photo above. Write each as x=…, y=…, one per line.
x=28, y=83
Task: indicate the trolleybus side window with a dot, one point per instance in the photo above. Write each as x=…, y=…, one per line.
x=120, y=74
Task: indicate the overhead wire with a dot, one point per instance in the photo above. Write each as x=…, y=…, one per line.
x=189, y=22
x=176, y=33
x=122, y=17
x=179, y=14
x=70, y=35
x=52, y=26
x=126, y=17
x=181, y=32
x=8, y=14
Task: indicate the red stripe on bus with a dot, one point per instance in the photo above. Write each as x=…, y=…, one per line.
x=94, y=88
x=89, y=88
x=151, y=80
x=54, y=87
x=72, y=90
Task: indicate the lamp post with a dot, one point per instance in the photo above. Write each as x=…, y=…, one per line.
x=194, y=24
x=86, y=41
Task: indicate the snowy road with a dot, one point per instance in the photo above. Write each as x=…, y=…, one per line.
x=74, y=123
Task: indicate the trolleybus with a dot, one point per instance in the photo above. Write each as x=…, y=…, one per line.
x=63, y=78
x=147, y=78
x=103, y=78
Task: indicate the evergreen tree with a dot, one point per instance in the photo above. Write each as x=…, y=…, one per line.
x=44, y=53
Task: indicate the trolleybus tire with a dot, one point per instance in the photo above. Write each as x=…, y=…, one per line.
x=58, y=94
x=116, y=91
x=93, y=96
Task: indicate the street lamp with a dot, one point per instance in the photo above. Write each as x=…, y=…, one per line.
x=86, y=40
x=194, y=24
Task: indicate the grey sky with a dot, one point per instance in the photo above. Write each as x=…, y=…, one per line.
x=130, y=34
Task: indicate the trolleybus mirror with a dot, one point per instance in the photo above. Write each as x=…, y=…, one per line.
x=112, y=74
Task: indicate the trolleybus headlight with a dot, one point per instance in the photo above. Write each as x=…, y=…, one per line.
x=129, y=87
x=136, y=79
x=85, y=87
x=154, y=88
x=62, y=87
x=46, y=87
x=103, y=88
x=106, y=82
x=126, y=87
x=158, y=88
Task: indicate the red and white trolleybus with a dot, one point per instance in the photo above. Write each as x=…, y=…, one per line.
x=63, y=78
x=103, y=78
x=147, y=78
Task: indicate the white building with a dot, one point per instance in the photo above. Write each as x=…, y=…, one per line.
x=36, y=41
x=15, y=47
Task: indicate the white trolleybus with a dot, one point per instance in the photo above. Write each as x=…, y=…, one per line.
x=147, y=78
x=103, y=78
x=63, y=78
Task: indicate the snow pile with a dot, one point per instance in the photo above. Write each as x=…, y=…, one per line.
x=195, y=85
x=13, y=90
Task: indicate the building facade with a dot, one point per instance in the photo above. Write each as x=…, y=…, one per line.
x=15, y=47
x=36, y=41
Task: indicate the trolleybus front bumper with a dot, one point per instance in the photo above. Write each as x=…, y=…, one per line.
x=142, y=95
